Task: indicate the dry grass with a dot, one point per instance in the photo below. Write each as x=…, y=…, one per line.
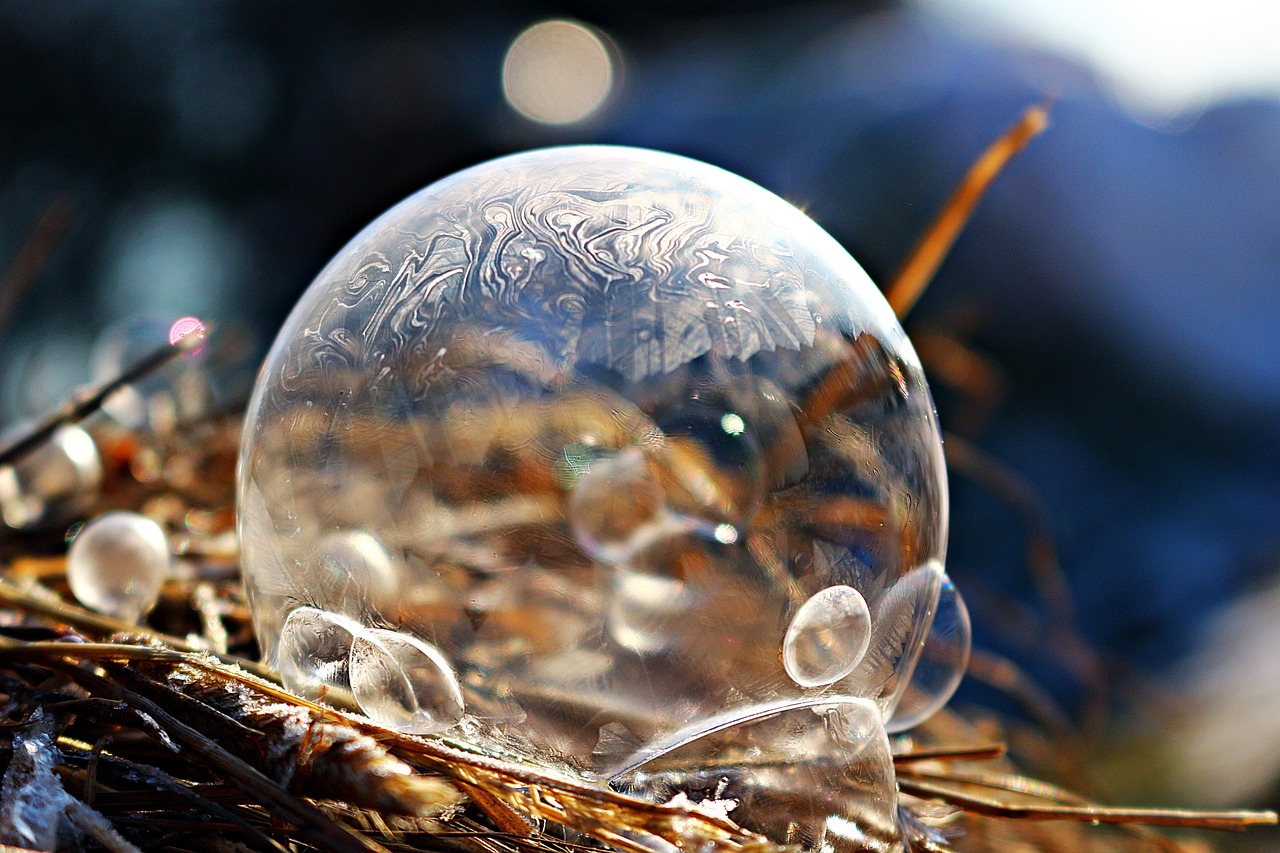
x=168, y=737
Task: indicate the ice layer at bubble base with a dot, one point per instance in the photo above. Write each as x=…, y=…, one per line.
x=606, y=459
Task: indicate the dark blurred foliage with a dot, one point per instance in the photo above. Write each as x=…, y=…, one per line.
x=1121, y=277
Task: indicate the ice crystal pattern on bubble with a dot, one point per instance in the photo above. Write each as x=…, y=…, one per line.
x=600, y=456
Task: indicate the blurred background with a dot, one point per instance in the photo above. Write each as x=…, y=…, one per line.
x=1107, y=329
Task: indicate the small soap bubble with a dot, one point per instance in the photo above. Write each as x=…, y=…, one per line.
x=403, y=682
x=899, y=624
x=177, y=392
x=827, y=637
x=710, y=465
x=617, y=507
x=313, y=654
x=655, y=467
x=942, y=663
x=118, y=563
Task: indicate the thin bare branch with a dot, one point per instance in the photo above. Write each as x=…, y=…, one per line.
x=99, y=625
x=1233, y=820
x=981, y=752
x=46, y=234
x=88, y=400
x=928, y=254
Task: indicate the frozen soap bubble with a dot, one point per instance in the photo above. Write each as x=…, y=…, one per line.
x=313, y=653
x=827, y=637
x=403, y=682
x=633, y=461
x=117, y=564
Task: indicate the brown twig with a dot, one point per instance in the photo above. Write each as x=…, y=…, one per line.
x=155, y=778
x=923, y=261
x=88, y=400
x=310, y=822
x=1233, y=820
x=586, y=808
x=982, y=752
x=48, y=231
x=102, y=626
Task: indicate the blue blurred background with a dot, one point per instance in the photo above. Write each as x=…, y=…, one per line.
x=1106, y=327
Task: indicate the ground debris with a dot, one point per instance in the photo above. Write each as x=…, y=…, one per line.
x=36, y=812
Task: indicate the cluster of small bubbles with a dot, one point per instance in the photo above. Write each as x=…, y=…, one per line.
x=396, y=679
x=50, y=484
x=900, y=624
x=616, y=457
x=118, y=563
x=313, y=654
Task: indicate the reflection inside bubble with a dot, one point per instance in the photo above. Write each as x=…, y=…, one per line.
x=616, y=462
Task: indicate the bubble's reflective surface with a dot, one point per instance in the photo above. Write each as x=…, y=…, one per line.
x=118, y=563
x=352, y=569
x=942, y=664
x=900, y=626
x=403, y=682
x=313, y=653
x=616, y=507
x=827, y=783
x=649, y=458
x=827, y=637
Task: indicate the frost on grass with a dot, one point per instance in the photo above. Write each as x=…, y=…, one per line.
x=36, y=813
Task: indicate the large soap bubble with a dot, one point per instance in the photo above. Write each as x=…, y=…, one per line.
x=612, y=461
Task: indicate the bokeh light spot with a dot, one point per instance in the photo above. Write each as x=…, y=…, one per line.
x=726, y=534
x=558, y=72
x=184, y=326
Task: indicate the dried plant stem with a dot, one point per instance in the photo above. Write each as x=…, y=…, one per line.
x=595, y=811
x=508, y=793
x=157, y=778
x=88, y=400
x=105, y=626
x=310, y=822
x=928, y=254
x=982, y=752
x=45, y=236
x=1236, y=820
